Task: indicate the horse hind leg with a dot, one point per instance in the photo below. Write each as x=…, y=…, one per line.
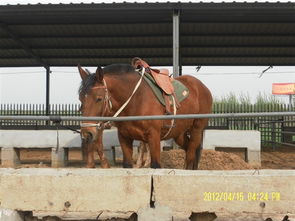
x=194, y=148
x=155, y=150
x=182, y=141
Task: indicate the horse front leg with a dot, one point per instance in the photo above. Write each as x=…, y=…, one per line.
x=84, y=151
x=147, y=162
x=140, y=154
x=90, y=163
x=127, y=149
x=143, y=149
x=99, y=147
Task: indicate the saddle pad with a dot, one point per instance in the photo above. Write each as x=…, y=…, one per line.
x=181, y=91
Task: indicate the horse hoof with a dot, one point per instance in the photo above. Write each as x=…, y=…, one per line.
x=127, y=165
x=155, y=165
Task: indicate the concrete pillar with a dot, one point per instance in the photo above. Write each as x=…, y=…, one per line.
x=10, y=157
x=10, y=215
x=159, y=213
x=110, y=155
x=59, y=157
x=253, y=157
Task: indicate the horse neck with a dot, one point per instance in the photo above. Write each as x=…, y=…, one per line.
x=120, y=88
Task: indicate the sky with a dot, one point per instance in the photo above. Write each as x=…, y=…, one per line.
x=27, y=85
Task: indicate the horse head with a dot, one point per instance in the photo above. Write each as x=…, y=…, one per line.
x=95, y=101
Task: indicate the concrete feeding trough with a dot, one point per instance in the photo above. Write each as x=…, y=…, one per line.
x=248, y=139
x=166, y=193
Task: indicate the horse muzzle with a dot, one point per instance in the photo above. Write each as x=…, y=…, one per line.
x=88, y=134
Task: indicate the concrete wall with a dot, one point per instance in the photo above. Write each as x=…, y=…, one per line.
x=249, y=139
x=176, y=193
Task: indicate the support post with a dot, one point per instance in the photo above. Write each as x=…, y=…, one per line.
x=47, y=90
x=59, y=157
x=10, y=158
x=290, y=101
x=176, y=43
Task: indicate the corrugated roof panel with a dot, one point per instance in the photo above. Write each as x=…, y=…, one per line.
x=18, y=62
x=91, y=30
x=96, y=42
x=238, y=51
x=6, y=43
x=105, y=61
x=13, y=53
x=237, y=40
x=91, y=34
x=102, y=53
x=237, y=28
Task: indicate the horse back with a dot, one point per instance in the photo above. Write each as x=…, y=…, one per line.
x=199, y=95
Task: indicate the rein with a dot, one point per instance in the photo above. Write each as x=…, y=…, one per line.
x=108, y=104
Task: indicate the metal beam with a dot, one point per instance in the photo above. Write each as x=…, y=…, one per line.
x=176, y=42
x=149, y=117
x=148, y=57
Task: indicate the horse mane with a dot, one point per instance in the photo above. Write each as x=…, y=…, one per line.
x=113, y=69
x=118, y=69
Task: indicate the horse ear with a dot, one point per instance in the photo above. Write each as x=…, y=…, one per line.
x=99, y=74
x=83, y=73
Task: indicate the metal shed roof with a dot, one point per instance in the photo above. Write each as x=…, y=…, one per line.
x=92, y=34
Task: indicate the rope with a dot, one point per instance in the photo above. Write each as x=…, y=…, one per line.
x=69, y=128
x=135, y=89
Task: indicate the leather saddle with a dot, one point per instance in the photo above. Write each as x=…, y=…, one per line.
x=162, y=79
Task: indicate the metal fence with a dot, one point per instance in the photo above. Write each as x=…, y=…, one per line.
x=274, y=129
x=37, y=110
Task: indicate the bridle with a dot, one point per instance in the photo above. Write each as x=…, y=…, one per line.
x=107, y=107
x=108, y=103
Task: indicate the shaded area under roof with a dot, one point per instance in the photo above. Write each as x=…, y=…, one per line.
x=92, y=34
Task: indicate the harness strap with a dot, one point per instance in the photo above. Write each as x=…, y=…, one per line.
x=135, y=89
x=173, y=120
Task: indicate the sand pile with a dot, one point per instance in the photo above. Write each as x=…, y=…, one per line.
x=210, y=160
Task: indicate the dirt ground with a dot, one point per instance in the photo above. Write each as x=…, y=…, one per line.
x=225, y=159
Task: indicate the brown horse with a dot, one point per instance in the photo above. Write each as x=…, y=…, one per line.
x=109, y=88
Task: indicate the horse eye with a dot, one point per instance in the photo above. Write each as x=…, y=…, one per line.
x=98, y=99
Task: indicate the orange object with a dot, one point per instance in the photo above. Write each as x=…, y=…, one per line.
x=283, y=88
